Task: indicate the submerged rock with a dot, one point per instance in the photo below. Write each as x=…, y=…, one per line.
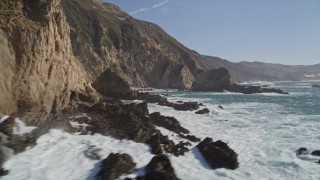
x=203, y=111
x=316, y=85
x=159, y=168
x=218, y=154
x=302, y=151
x=115, y=165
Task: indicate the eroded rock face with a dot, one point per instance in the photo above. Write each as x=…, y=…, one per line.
x=115, y=165
x=38, y=66
x=218, y=154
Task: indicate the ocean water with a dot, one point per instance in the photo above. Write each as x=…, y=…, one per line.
x=264, y=129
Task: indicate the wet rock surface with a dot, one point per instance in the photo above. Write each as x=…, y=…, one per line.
x=130, y=121
x=115, y=165
x=315, y=153
x=302, y=151
x=253, y=89
x=169, y=123
x=218, y=154
x=162, y=101
x=190, y=137
x=3, y=172
x=159, y=168
x=162, y=144
x=203, y=111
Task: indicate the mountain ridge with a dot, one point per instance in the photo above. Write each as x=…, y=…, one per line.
x=261, y=71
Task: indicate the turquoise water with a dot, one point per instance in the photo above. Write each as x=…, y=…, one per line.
x=264, y=129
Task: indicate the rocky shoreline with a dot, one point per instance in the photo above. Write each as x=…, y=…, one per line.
x=110, y=117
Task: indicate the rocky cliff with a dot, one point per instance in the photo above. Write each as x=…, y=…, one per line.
x=103, y=36
x=38, y=68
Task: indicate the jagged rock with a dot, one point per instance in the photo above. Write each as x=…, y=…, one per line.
x=6, y=126
x=115, y=165
x=302, y=151
x=159, y=168
x=315, y=153
x=161, y=144
x=190, y=137
x=169, y=123
x=203, y=111
x=162, y=101
x=218, y=154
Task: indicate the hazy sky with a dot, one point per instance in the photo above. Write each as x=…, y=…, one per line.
x=277, y=31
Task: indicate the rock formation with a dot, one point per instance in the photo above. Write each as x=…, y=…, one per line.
x=38, y=68
x=115, y=165
x=159, y=168
x=218, y=154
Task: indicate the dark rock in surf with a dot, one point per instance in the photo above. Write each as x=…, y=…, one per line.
x=115, y=165
x=3, y=171
x=253, y=89
x=159, y=168
x=169, y=123
x=203, y=111
x=162, y=144
x=220, y=107
x=302, y=151
x=315, y=153
x=190, y=137
x=218, y=154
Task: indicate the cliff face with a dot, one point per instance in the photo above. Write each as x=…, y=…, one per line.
x=103, y=36
x=38, y=68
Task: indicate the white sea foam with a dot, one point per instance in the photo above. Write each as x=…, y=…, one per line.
x=60, y=155
x=21, y=128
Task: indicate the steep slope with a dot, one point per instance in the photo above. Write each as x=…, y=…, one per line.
x=103, y=36
x=38, y=69
x=258, y=71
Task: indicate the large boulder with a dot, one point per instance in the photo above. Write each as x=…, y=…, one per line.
x=218, y=154
x=115, y=165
